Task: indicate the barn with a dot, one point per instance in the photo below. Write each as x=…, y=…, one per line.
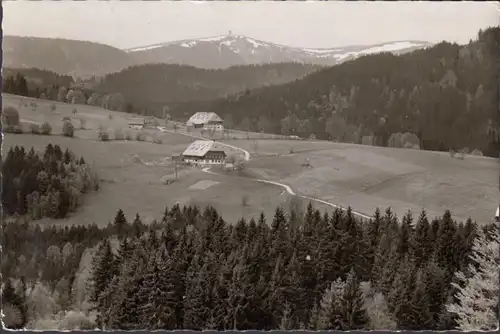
x=136, y=124
x=204, y=152
x=206, y=120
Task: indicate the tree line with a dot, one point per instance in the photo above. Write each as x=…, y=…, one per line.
x=193, y=270
x=45, y=184
x=47, y=85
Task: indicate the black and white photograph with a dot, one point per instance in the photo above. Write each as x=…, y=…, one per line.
x=260, y=165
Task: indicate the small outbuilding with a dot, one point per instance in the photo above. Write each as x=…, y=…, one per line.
x=204, y=152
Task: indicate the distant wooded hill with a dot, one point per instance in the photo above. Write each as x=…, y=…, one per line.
x=70, y=57
x=157, y=84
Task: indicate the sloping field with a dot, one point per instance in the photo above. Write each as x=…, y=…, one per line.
x=368, y=177
x=132, y=173
x=363, y=177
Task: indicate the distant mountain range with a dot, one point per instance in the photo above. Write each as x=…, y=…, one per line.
x=231, y=50
x=86, y=59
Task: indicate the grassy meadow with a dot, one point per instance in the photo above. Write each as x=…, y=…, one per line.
x=133, y=172
x=363, y=177
x=367, y=177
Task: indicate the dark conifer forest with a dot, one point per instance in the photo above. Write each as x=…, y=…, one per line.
x=50, y=184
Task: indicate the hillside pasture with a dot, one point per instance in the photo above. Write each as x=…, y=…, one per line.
x=133, y=174
x=366, y=177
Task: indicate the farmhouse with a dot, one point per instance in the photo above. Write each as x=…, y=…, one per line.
x=206, y=120
x=204, y=152
x=136, y=124
x=151, y=122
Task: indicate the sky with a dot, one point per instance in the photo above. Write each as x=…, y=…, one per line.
x=310, y=24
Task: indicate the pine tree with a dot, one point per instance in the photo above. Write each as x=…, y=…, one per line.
x=402, y=291
x=128, y=300
x=420, y=316
x=353, y=314
x=295, y=293
x=313, y=323
x=159, y=287
x=445, y=243
x=329, y=317
x=286, y=318
x=405, y=235
x=120, y=223
x=125, y=251
x=137, y=226
x=196, y=310
x=103, y=272
x=478, y=303
x=373, y=238
x=436, y=288
x=421, y=245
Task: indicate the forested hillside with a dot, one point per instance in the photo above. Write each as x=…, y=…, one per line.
x=305, y=270
x=37, y=77
x=159, y=84
x=446, y=95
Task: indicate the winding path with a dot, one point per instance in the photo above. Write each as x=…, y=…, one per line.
x=287, y=188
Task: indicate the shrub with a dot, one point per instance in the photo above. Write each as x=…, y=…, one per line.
x=408, y=145
x=244, y=200
x=46, y=128
x=82, y=123
x=77, y=320
x=477, y=152
x=367, y=140
x=119, y=134
x=157, y=140
x=10, y=116
x=408, y=137
x=68, y=129
x=140, y=136
x=35, y=128
x=103, y=135
x=465, y=150
x=12, y=129
x=395, y=140
x=11, y=315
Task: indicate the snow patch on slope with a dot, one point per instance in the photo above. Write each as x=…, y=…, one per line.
x=389, y=47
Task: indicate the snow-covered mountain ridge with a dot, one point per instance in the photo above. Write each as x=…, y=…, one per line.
x=231, y=50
